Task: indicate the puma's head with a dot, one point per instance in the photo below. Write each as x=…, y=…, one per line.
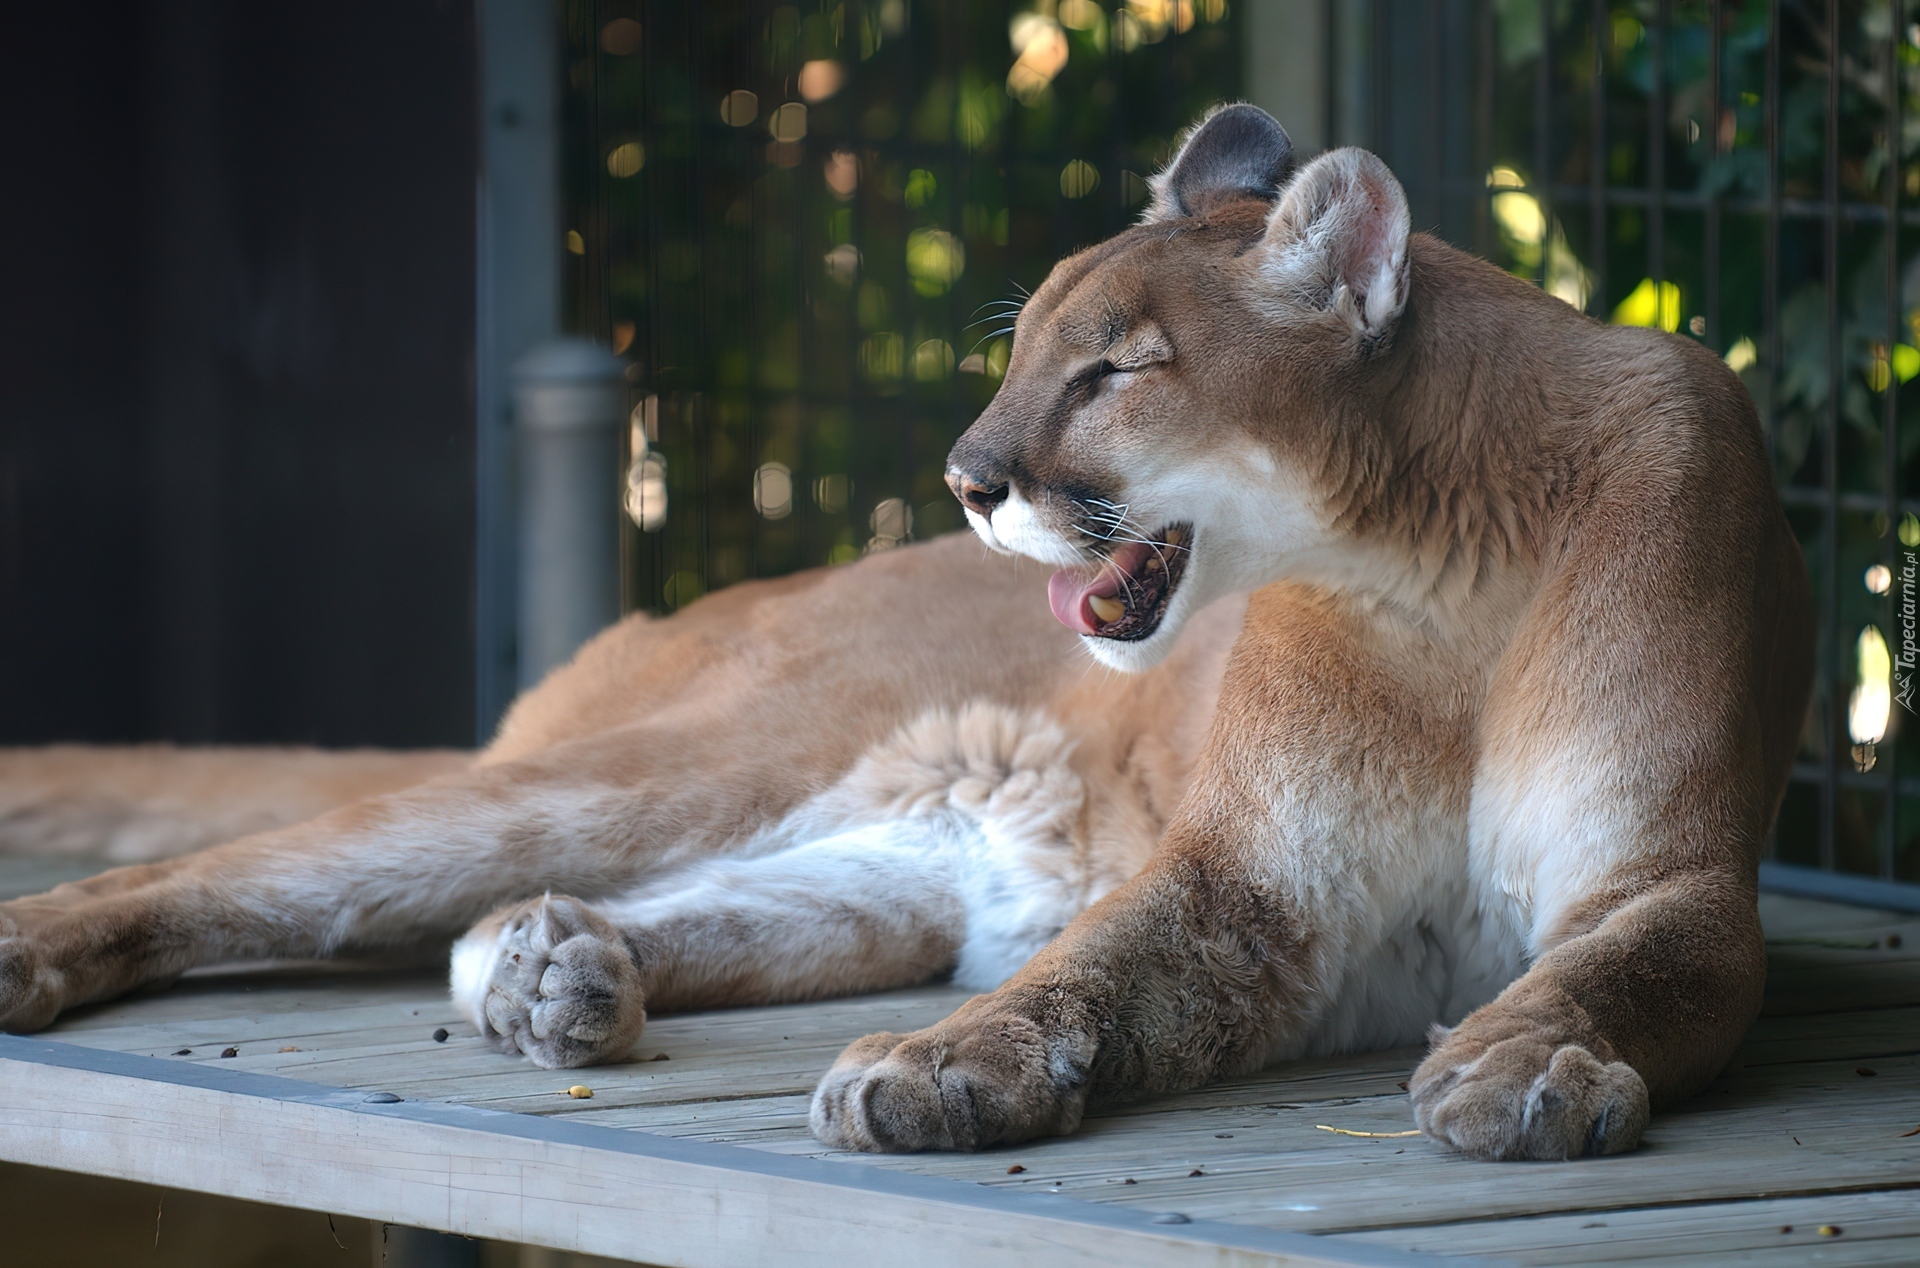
x=1167, y=429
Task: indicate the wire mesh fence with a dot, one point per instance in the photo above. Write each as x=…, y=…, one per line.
x=1737, y=173
x=801, y=225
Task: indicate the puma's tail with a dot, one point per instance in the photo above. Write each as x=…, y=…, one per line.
x=134, y=804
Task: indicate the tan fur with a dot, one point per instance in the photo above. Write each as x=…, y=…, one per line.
x=1494, y=744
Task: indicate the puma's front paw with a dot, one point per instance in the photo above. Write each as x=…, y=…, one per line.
x=985, y=1076
x=552, y=979
x=1523, y=1097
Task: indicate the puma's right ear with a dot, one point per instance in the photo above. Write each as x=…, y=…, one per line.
x=1339, y=239
x=1238, y=151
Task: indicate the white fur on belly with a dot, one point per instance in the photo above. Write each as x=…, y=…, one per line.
x=966, y=825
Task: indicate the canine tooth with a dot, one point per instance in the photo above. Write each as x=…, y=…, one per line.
x=1108, y=610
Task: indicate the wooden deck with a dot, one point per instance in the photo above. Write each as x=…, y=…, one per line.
x=697, y=1152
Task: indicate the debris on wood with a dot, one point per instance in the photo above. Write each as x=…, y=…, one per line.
x=1129, y=1180
x=289, y=1048
x=184, y=1052
x=230, y=1052
x=1015, y=1169
x=1195, y=1172
x=1341, y=1131
x=1829, y=1230
x=1866, y=1072
x=440, y=1035
x=1904, y=1135
x=580, y=1092
x=1223, y=1135
x=661, y=1056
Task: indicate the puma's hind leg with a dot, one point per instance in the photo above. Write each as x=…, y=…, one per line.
x=889, y=905
x=404, y=871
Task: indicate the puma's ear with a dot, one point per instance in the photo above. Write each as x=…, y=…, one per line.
x=1339, y=239
x=1235, y=152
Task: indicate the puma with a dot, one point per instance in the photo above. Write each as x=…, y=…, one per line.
x=1468, y=648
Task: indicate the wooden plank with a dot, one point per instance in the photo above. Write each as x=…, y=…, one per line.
x=563, y=1185
x=743, y=1076
x=387, y=1043
x=1806, y=980
x=1787, y=916
x=1868, y=1228
x=1790, y=1117
x=1775, y=1130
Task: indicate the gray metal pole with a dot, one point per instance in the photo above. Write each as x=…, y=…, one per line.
x=569, y=404
x=518, y=304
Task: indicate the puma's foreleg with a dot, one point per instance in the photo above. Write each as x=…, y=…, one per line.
x=1638, y=1011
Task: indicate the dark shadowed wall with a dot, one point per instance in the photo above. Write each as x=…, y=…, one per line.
x=236, y=331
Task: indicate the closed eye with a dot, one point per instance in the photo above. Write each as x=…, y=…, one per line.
x=1095, y=375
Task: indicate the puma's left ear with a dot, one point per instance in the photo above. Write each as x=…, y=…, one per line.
x=1237, y=151
x=1339, y=238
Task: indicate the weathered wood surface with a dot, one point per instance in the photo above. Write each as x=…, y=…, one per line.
x=1861, y=1228
x=1792, y=1121
x=519, y=1178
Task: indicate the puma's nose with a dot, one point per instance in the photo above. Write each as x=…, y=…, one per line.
x=981, y=499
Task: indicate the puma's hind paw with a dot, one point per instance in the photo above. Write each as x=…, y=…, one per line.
x=551, y=979
x=33, y=988
x=29, y=990
x=1524, y=1098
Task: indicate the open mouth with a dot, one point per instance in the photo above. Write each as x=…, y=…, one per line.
x=1127, y=598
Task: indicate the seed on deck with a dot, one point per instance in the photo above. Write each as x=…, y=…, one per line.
x=580, y=1092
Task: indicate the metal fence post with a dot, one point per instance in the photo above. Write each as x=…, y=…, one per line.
x=569, y=404
x=517, y=304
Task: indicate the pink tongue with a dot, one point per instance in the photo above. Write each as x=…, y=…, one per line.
x=1067, y=595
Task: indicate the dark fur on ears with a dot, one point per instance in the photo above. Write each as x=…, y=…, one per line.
x=1238, y=151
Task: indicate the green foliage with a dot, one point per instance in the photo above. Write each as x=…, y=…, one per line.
x=815, y=262
x=1762, y=208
